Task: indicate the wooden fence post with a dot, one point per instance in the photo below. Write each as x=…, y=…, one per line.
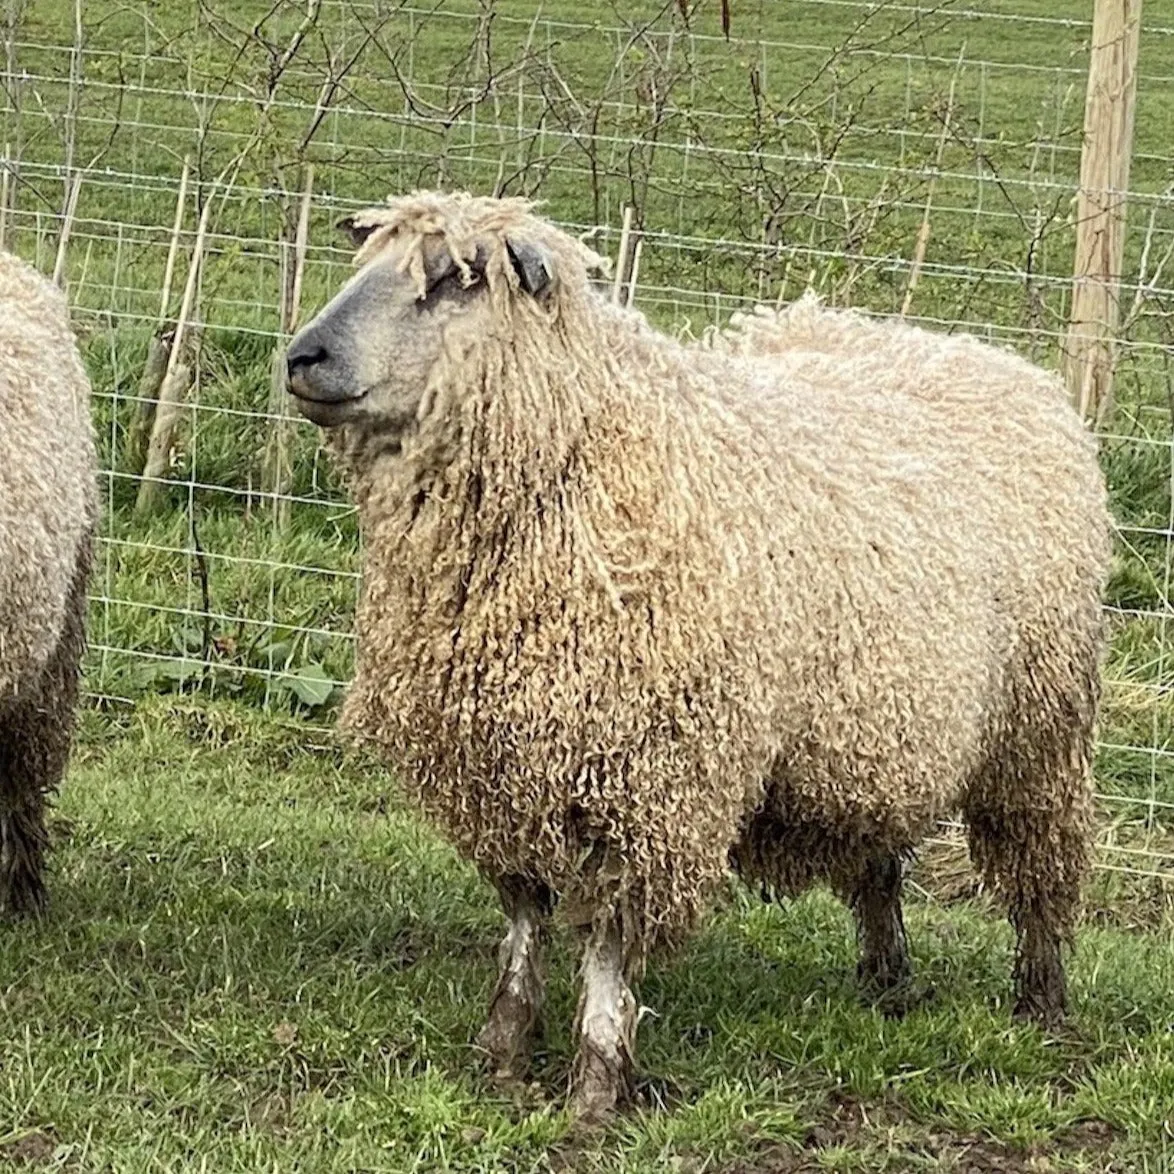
x=277, y=467
x=159, y=348
x=176, y=378
x=1090, y=347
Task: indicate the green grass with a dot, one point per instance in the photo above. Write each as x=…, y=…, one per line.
x=258, y=960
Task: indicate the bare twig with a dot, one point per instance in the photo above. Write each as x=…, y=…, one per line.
x=173, y=242
x=301, y=243
x=159, y=348
x=634, y=275
x=622, y=257
x=277, y=469
x=5, y=177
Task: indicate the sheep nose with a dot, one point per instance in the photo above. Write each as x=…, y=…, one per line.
x=305, y=353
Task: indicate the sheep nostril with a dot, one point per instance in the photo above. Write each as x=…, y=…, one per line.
x=302, y=359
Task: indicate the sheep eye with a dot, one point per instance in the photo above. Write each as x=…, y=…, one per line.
x=449, y=277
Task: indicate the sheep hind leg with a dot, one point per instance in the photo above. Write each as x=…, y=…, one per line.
x=1040, y=994
x=516, y=1004
x=1039, y=861
x=36, y=730
x=22, y=836
x=34, y=748
x=1035, y=855
x=606, y=1027
x=883, y=971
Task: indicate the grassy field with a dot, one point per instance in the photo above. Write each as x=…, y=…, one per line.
x=257, y=959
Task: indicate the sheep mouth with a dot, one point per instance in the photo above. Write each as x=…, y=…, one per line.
x=326, y=413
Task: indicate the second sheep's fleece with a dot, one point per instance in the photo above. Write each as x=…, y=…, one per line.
x=634, y=610
x=48, y=509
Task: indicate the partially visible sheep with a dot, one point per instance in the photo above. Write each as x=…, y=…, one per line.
x=632, y=610
x=48, y=507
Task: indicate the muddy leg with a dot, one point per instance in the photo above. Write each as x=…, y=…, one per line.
x=880, y=928
x=1039, y=969
x=606, y=1027
x=1030, y=813
x=1036, y=859
x=516, y=1004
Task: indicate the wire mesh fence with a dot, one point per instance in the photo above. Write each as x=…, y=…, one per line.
x=908, y=158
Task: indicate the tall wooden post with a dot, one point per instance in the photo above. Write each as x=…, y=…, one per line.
x=277, y=468
x=1090, y=348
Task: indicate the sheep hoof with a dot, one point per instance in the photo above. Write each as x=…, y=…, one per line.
x=600, y=1085
x=886, y=981
x=1045, y=1010
x=899, y=999
x=508, y=1035
x=884, y=972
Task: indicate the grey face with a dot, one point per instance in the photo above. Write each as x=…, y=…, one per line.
x=367, y=355
x=366, y=358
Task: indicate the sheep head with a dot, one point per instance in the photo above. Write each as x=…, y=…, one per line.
x=435, y=274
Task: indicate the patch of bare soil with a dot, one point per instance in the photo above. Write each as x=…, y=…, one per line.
x=1091, y=1134
x=31, y=1149
x=851, y=1123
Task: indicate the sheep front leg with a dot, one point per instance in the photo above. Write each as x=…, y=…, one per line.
x=606, y=1027
x=516, y=1004
x=880, y=928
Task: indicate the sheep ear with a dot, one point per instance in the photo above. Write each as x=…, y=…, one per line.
x=532, y=265
x=357, y=233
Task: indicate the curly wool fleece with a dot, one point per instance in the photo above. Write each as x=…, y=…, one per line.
x=631, y=608
x=48, y=507
x=48, y=500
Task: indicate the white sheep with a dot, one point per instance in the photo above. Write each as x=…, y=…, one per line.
x=632, y=609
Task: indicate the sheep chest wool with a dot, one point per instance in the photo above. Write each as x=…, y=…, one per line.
x=635, y=610
x=48, y=509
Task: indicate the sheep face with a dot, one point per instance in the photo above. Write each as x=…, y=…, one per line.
x=367, y=357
